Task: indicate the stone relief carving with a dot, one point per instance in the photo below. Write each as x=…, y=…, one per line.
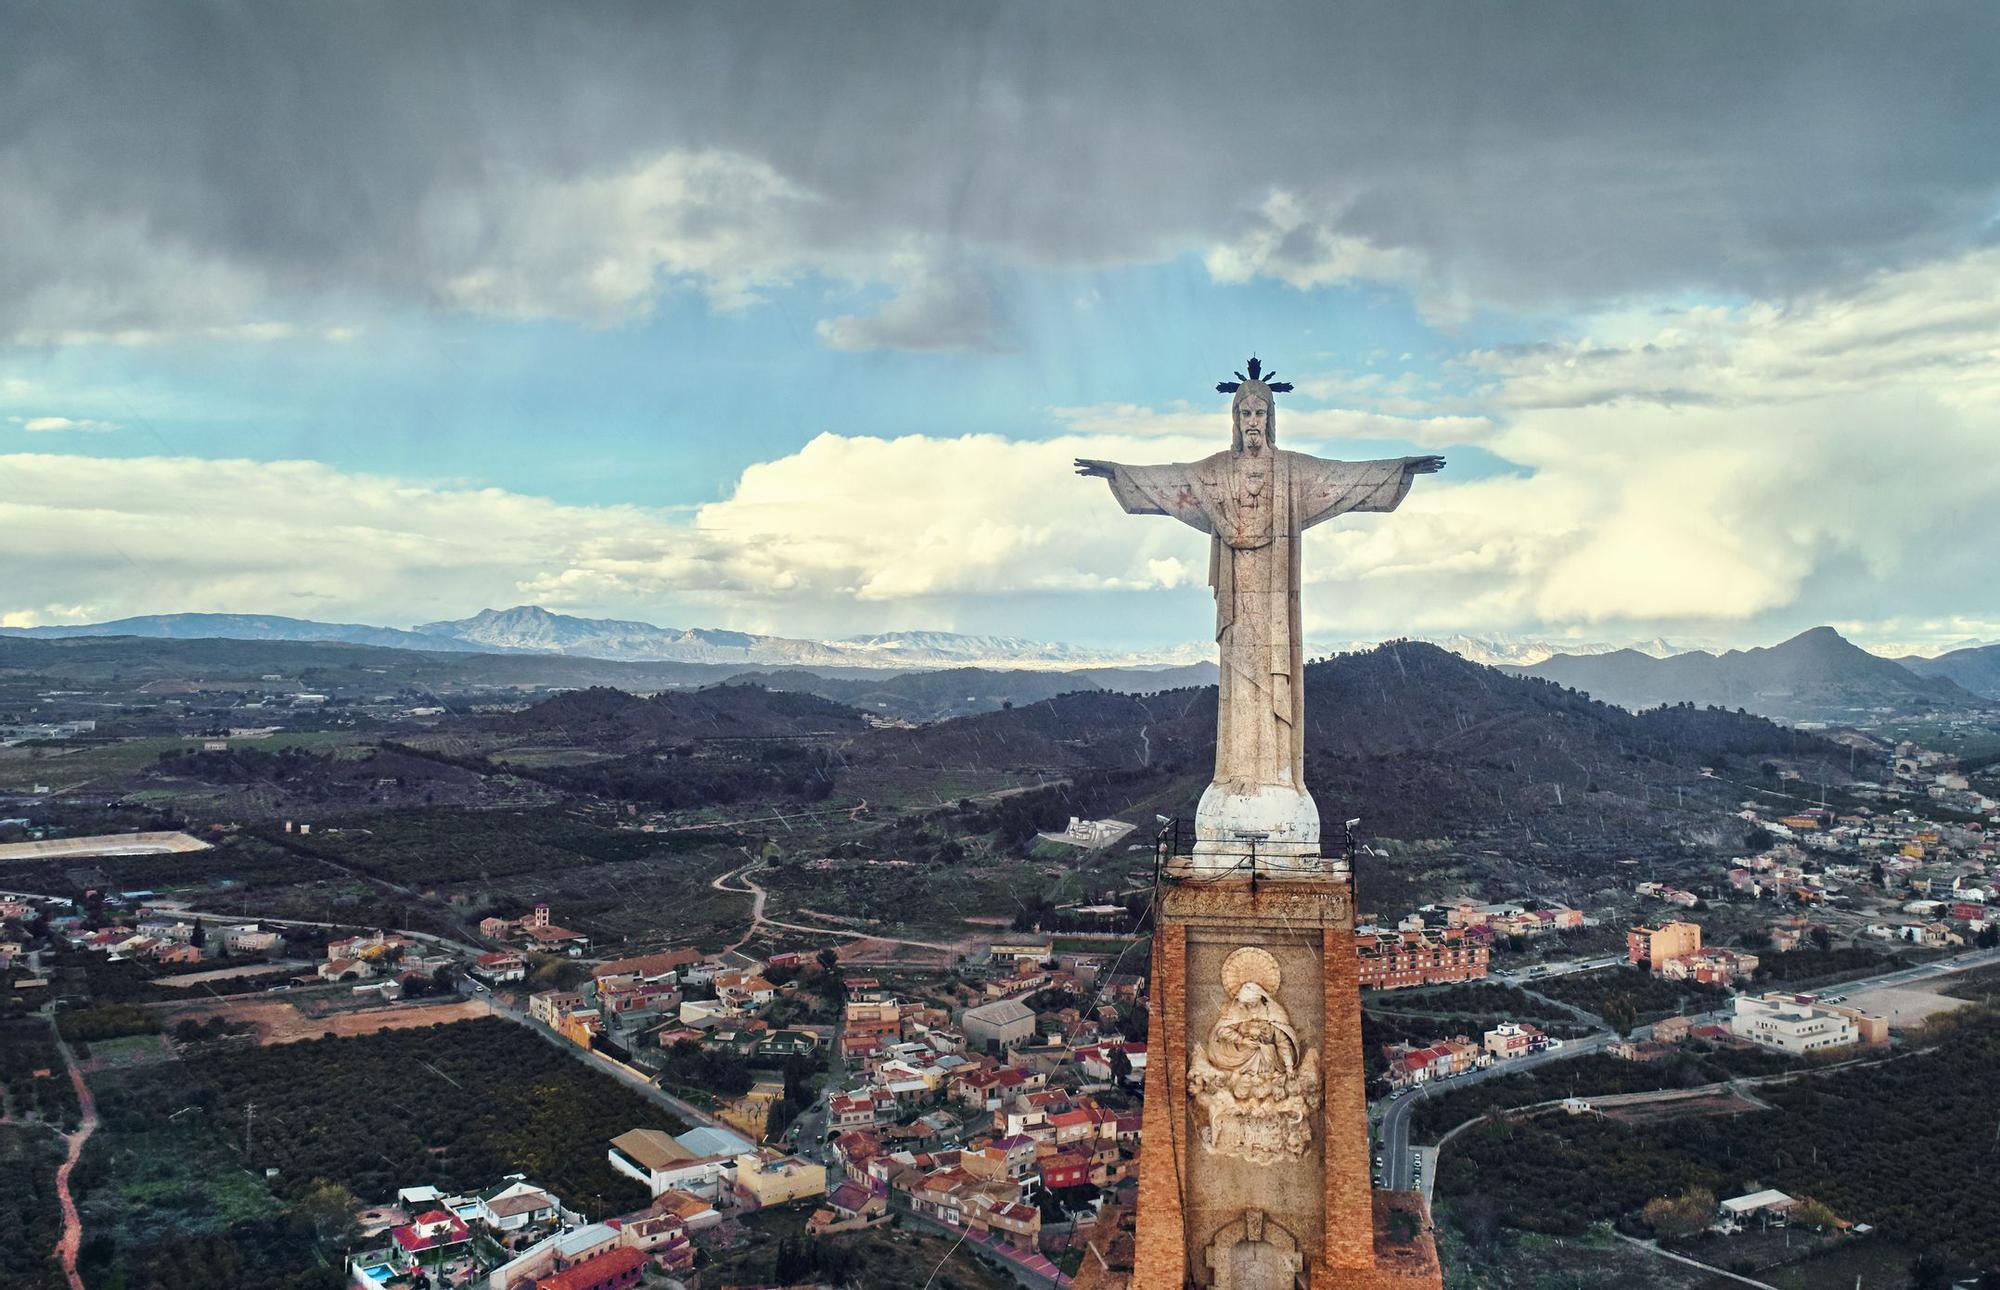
x=1254, y=1085
x=1255, y=1253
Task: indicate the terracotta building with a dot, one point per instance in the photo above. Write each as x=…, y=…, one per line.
x=1397, y=960
x=1653, y=946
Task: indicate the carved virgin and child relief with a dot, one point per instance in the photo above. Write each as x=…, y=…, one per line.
x=1255, y=1086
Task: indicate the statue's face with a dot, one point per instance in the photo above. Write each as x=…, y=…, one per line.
x=1253, y=421
x=1249, y=992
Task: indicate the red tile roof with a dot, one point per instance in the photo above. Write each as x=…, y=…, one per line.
x=407, y=1237
x=591, y=1272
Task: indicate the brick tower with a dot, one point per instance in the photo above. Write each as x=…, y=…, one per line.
x=1305, y=1218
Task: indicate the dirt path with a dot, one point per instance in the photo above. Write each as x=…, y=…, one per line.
x=1652, y=1247
x=72, y=1236
x=750, y=889
x=758, y=895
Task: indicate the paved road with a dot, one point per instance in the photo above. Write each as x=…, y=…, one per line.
x=1523, y=976
x=1026, y=1268
x=1394, y=1135
x=180, y=910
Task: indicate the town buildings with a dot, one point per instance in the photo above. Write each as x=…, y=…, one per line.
x=995, y=1027
x=1800, y=1023
x=1712, y=966
x=537, y=931
x=1653, y=946
x=772, y=1178
x=1513, y=1039
x=1396, y=960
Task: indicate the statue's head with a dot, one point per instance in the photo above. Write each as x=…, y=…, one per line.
x=1249, y=994
x=1253, y=418
x=1253, y=412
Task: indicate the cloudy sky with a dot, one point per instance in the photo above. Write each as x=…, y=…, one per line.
x=790, y=318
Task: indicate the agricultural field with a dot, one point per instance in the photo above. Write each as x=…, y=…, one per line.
x=238, y=866
x=456, y=1105
x=1592, y=1075
x=771, y=1248
x=1479, y=999
x=34, y=1083
x=1810, y=968
x=1480, y=1254
x=1649, y=997
x=30, y=1221
x=438, y=847
x=71, y=765
x=1869, y=1141
x=153, y=1172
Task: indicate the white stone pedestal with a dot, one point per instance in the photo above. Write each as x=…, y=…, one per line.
x=1278, y=823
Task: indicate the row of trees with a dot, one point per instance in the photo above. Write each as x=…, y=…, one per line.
x=29, y=1217
x=456, y=1105
x=1885, y=1144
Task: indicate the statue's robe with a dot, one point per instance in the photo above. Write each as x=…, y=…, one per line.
x=1253, y=565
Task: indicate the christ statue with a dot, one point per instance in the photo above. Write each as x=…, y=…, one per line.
x=1254, y=501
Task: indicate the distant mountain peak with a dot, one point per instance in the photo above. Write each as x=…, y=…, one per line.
x=1817, y=675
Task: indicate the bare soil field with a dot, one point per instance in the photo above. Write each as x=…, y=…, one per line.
x=1908, y=1005
x=226, y=974
x=279, y=1022
x=875, y=953
x=109, y=844
x=1681, y=1108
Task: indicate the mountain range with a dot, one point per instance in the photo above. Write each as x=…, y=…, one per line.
x=1977, y=668
x=1817, y=675
x=534, y=630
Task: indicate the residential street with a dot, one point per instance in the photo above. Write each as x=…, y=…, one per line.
x=1394, y=1132
x=626, y=1075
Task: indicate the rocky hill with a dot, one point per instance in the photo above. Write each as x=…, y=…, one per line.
x=605, y=718
x=1417, y=741
x=964, y=691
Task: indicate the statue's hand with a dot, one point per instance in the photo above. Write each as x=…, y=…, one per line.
x=1426, y=465
x=1100, y=469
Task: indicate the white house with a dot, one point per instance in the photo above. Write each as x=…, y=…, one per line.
x=516, y=1205
x=695, y=1162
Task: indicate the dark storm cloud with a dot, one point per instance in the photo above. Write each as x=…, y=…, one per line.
x=174, y=165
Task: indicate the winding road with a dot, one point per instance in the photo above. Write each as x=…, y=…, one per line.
x=757, y=896
x=71, y=1240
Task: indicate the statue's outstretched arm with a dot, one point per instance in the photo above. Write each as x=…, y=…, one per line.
x=1330, y=488
x=1168, y=489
